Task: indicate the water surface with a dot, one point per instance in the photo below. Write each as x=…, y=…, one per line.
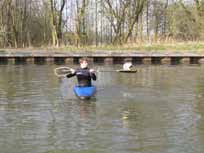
x=160, y=109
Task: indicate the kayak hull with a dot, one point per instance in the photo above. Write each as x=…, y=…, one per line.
x=84, y=92
x=127, y=71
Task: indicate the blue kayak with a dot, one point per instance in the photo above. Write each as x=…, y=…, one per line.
x=84, y=92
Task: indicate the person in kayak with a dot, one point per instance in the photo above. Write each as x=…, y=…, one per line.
x=127, y=66
x=84, y=74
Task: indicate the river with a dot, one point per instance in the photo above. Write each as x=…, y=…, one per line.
x=159, y=109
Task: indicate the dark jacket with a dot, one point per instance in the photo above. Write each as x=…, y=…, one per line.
x=83, y=76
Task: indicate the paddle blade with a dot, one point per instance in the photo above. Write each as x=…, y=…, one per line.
x=62, y=71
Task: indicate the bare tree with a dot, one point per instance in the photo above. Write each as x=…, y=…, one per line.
x=81, y=22
x=116, y=16
x=134, y=16
x=56, y=21
x=25, y=23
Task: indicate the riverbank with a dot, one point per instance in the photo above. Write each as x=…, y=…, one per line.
x=143, y=54
x=175, y=47
x=108, y=57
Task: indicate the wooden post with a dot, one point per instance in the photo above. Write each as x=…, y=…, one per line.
x=185, y=60
x=201, y=61
x=166, y=60
x=11, y=60
x=30, y=60
x=69, y=60
x=91, y=60
x=108, y=60
x=147, y=60
x=49, y=59
x=128, y=59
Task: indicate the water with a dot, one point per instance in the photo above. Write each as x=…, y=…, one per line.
x=160, y=109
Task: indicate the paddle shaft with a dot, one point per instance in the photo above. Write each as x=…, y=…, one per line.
x=67, y=70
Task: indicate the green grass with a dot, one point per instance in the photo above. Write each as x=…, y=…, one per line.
x=192, y=47
x=197, y=47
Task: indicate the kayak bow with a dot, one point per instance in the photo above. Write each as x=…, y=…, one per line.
x=84, y=92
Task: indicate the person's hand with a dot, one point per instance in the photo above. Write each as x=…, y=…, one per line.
x=91, y=70
x=72, y=71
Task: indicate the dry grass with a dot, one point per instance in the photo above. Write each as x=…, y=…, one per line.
x=192, y=47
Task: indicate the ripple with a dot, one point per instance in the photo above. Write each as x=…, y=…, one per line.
x=157, y=110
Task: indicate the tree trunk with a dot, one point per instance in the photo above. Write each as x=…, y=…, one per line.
x=59, y=26
x=147, y=20
x=139, y=4
x=96, y=22
x=55, y=41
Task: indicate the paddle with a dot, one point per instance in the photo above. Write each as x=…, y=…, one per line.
x=120, y=70
x=64, y=71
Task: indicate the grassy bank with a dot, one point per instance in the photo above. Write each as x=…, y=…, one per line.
x=192, y=47
x=155, y=47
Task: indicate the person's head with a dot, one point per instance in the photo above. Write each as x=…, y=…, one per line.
x=83, y=63
x=127, y=65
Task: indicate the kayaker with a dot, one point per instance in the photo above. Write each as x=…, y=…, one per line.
x=127, y=66
x=84, y=74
